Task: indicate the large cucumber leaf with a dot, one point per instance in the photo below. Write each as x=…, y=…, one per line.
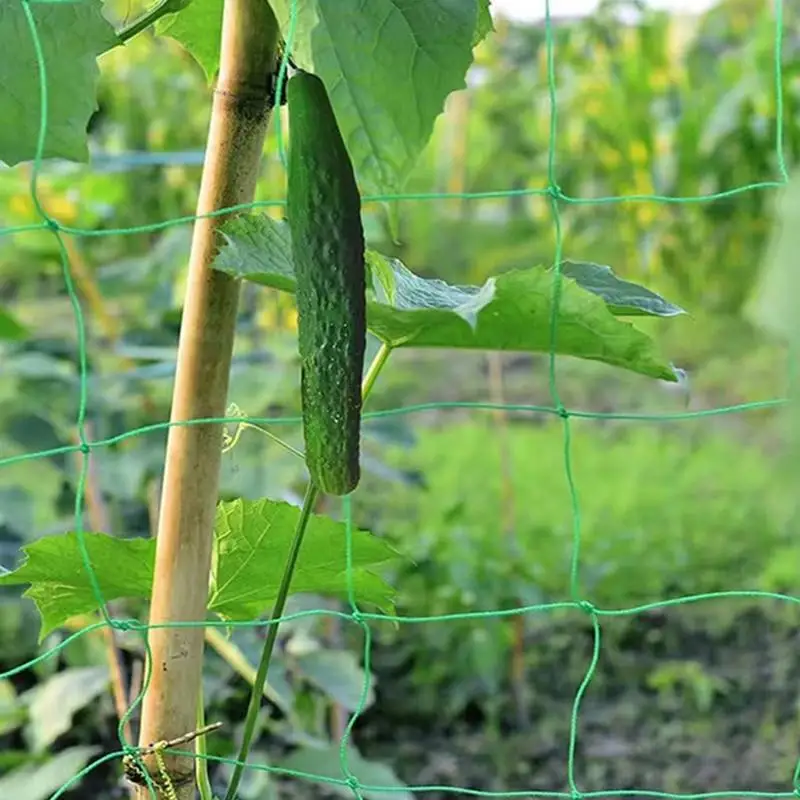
x=509, y=312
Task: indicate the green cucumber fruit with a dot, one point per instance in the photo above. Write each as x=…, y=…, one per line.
x=324, y=211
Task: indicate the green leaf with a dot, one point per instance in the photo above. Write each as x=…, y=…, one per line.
x=12, y=711
x=10, y=329
x=485, y=25
x=52, y=704
x=257, y=240
x=252, y=542
x=197, y=28
x=72, y=35
x=59, y=583
x=337, y=674
x=510, y=312
x=325, y=763
x=36, y=781
x=623, y=298
x=388, y=65
x=773, y=305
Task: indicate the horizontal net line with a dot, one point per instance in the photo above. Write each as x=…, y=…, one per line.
x=53, y=224
x=677, y=416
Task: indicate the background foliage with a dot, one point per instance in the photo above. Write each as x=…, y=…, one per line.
x=668, y=106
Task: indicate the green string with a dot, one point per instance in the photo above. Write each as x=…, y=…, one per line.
x=356, y=616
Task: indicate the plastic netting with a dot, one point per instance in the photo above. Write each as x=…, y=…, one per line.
x=362, y=619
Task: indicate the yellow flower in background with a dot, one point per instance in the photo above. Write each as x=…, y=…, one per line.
x=175, y=176
x=660, y=79
x=539, y=208
x=277, y=313
x=639, y=153
x=58, y=206
x=740, y=22
x=646, y=213
x=21, y=206
x=290, y=319
x=574, y=136
x=267, y=317
x=594, y=107
x=610, y=158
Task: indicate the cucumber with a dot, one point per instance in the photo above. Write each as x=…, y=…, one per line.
x=324, y=211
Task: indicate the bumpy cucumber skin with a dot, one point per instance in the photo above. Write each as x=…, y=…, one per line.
x=324, y=211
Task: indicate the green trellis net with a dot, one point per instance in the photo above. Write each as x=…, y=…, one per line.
x=577, y=601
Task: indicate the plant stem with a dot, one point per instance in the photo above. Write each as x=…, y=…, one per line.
x=240, y=115
x=374, y=369
x=201, y=763
x=254, y=704
x=150, y=17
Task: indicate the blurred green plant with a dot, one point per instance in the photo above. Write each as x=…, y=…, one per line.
x=677, y=511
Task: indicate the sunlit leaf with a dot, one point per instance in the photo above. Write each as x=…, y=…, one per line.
x=623, y=298
x=60, y=585
x=198, y=28
x=252, y=542
x=484, y=25
x=510, y=312
x=72, y=35
x=388, y=76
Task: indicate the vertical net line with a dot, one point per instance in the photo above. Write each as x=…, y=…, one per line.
x=53, y=225
x=555, y=194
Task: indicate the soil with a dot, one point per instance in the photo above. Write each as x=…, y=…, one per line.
x=687, y=700
x=680, y=702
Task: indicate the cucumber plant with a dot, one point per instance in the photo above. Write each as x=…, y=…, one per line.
x=351, y=116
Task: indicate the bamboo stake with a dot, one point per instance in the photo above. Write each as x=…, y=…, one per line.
x=238, y=126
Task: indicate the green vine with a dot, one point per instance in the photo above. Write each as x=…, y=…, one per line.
x=312, y=492
x=150, y=17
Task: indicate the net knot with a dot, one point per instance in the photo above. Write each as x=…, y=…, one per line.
x=590, y=609
x=357, y=617
x=562, y=411
x=353, y=783
x=124, y=624
x=52, y=225
x=554, y=191
x=575, y=795
x=84, y=448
